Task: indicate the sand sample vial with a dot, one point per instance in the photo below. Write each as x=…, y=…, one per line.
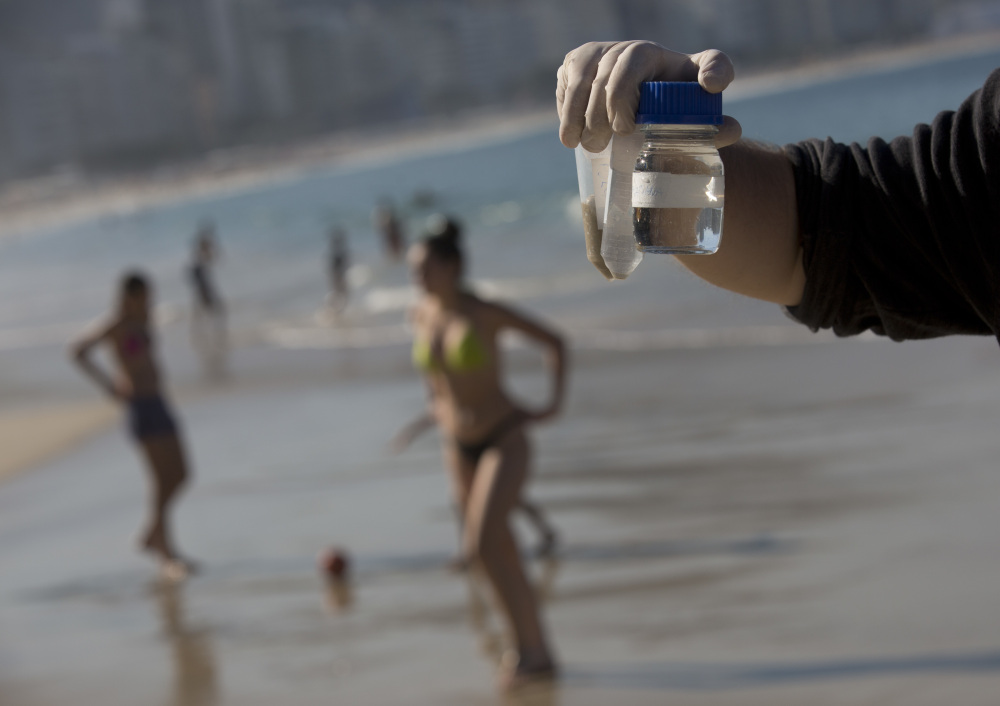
x=678, y=187
x=618, y=247
x=592, y=169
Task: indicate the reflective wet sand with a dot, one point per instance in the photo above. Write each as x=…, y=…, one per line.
x=34, y=434
x=741, y=525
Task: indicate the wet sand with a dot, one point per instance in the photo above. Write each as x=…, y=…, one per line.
x=31, y=435
x=756, y=524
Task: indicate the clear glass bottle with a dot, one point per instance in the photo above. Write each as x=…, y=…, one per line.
x=678, y=186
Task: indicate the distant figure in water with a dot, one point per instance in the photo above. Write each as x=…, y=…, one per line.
x=340, y=262
x=387, y=223
x=486, y=449
x=208, y=316
x=137, y=386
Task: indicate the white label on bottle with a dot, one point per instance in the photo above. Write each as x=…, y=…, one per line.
x=660, y=190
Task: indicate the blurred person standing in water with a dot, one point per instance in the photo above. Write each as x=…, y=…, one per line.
x=340, y=262
x=388, y=225
x=486, y=449
x=208, y=315
x=137, y=386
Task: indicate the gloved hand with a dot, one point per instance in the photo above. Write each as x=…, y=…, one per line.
x=598, y=88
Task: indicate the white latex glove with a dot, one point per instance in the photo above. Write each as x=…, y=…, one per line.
x=598, y=88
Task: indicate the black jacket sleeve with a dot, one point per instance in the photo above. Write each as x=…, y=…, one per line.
x=903, y=238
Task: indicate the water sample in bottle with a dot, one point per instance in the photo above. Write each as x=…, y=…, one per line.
x=678, y=185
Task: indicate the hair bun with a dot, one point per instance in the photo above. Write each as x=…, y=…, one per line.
x=442, y=227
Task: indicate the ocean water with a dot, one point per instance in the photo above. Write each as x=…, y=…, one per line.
x=515, y=195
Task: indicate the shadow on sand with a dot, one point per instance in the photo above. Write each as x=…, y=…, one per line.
x=623, y=551
x=717, y=677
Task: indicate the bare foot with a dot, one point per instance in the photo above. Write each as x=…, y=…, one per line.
x=176, y=569
x=517, y=671
x=172, y=566
x=173, y=571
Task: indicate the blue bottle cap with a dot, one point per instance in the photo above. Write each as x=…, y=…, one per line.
x=678, y=103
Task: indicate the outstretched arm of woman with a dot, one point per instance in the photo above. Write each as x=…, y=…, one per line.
x=411, y=431
x=505, y=318
x=416, y=426
x=80, y=353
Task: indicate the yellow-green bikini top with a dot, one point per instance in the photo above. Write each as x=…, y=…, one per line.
x=468, y=354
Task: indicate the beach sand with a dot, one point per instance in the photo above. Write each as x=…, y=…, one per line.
x=755, y=524
x=31, y=436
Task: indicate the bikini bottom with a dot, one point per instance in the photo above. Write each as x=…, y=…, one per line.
x=473, y=452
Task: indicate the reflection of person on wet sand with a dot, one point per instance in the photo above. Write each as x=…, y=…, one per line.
x=532, y=511
x=208, y=316
x=339, y=263
x=137, y=386
x=487, y=452
x=338, y=596
x=388, y=225
x=195, y=680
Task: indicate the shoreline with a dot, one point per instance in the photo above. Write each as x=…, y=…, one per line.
x=867, y=61
x=60, y=200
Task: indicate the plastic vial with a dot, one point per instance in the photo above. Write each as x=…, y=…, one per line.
x=592, y=173
x=618, y=247
x=678, y=187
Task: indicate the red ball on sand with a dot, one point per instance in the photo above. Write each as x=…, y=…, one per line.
x=333, y=562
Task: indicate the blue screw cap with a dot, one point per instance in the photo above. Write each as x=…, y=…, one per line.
x=678, y=103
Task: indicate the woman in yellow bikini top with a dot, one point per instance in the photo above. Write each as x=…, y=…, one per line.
x=466, y=355
x=455, y=347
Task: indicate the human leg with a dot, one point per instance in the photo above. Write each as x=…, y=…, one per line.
x=534, y=513
x=168, y=472
x=460, y=474
x=488, y=540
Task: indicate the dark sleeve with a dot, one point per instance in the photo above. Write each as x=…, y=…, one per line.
x=903, y=238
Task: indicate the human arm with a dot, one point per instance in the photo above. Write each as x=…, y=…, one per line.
x=417, y=426
x=80, y=352
x=505, y=318
x=900, y=237
x=760, y=255
x=414, y=428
